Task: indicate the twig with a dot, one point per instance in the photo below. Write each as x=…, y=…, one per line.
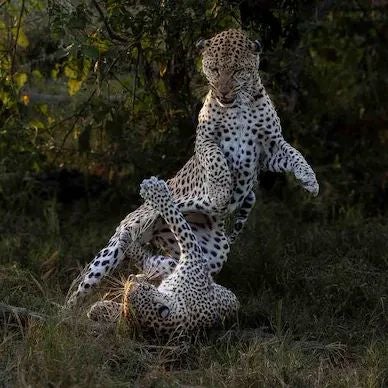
x=77, y=116
x=53, y=99
x=81, y=111
x=4, y=2
x=136, y=76
x=120, y=82
x=19, y=312
x=111, y=33
x=16, y=38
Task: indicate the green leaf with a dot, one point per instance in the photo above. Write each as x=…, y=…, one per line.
x=73, y=86
x=70, y=71
x=20, y=79
x=37, y=74
x=91, y=52
x=36, y=124
x=22, y=39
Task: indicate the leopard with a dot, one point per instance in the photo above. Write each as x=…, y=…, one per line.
x=238, y=136
x=188, y=299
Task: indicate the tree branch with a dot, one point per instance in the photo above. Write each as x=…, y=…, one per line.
x=4, y=2
x=16, y=38
x=113, y=35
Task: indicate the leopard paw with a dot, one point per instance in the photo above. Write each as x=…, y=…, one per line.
x=155, y=191
x=308, y=181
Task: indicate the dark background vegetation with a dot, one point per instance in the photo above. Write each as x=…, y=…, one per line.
x=97, y=95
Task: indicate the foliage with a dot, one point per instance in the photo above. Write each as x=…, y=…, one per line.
x=116, y=84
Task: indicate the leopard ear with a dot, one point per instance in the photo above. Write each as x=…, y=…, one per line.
x=163, y=309
x=202, y=44
x=256, y=47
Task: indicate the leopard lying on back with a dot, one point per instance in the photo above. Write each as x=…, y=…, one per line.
x=186, y=300
x=238, y=135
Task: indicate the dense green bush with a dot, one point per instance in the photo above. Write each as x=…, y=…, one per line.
x=113, y=88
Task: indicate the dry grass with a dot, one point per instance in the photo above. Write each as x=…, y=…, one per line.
x=313, y=293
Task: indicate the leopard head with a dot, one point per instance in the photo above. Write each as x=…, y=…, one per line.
x=144, y=304
x=230, y=62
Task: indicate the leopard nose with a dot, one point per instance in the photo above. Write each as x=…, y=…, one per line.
x=226, y=97
x=136, y=278
x=132, y=278
x=140, y=277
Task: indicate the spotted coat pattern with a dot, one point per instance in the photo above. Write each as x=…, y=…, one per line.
x=187, y=299
x=238, y=135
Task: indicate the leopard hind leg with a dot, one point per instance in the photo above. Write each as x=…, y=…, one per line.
x=213, y=241
x=210, y=234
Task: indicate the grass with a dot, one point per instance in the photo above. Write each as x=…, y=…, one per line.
x=312, y=284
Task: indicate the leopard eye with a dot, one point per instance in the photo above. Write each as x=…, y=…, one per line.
x=163, y=311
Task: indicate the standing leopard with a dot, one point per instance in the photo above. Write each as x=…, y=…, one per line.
x=187, y=299
x=238, y=135
x=240, y=122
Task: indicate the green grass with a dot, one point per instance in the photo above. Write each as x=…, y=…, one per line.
x=313, y=288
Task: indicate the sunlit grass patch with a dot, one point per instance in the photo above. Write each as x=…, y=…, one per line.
x=313, y=307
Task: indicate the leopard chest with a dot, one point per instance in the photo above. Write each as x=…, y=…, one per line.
x=241, y=152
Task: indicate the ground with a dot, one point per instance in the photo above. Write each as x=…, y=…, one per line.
x=311, y=278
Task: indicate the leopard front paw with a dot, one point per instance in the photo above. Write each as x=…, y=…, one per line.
x=74, y=300
x=220, y=195
x=308, y=181
x=155, y=191
x=105, y=311
x=232, y=237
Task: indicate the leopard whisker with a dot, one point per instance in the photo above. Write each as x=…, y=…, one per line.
x=150, y=274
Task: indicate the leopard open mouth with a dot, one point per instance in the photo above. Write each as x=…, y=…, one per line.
x=224, y=102
x=227, y=100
